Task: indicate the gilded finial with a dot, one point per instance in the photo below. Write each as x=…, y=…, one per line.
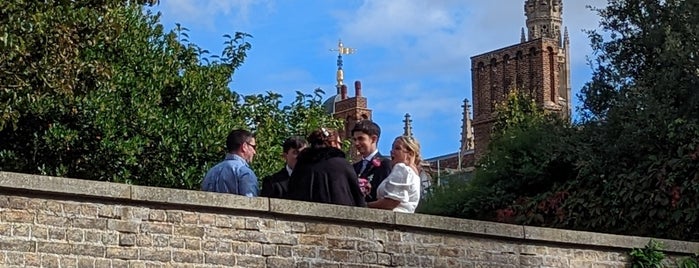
x=341, y=50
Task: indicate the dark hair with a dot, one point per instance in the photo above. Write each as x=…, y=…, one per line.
x=367, y=127
x=322, y=137
x=293, y=143
x=237, y=138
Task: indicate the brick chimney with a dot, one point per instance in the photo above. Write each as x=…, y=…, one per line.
x=357, y=88
x=343, y=92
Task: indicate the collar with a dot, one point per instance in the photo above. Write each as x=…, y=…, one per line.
x=230, y=156
x=288, y=169
x=371, y=156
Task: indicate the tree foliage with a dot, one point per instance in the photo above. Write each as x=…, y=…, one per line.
x=99, y=90
x=631, y=165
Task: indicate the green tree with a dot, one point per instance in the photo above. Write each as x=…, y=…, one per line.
x=638, y=156
x=99, y=90
x=524, y=159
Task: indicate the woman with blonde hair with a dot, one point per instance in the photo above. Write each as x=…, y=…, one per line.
x=323, y=174
x=400, y=191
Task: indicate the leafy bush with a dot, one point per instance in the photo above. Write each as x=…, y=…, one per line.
x=98, y=90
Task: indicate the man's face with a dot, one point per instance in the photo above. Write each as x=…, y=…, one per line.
x=250, y=149
x=290, y=156
x=364, y=143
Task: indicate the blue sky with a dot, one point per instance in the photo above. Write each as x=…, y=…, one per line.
x=413, y=56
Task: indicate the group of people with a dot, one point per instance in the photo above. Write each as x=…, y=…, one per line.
x=317, y=170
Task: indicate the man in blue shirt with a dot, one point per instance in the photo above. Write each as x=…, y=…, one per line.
x=234, y=175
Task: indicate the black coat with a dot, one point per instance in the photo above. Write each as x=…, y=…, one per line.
x=275, y=185
x=375, y=174
x=323, y=175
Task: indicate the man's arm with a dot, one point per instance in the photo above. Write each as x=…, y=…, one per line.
x=247, y=182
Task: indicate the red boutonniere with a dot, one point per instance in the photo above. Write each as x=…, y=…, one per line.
x=376, y=162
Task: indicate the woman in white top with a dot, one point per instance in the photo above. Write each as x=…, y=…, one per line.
x=400, y=191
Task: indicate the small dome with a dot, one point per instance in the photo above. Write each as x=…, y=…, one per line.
x=329, y=104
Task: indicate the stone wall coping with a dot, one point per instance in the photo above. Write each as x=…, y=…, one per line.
x=115, y=191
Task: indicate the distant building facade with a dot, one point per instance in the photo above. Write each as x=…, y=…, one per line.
x=539, y=65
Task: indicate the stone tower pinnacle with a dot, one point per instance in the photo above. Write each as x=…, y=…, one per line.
x=544, y=18
x=407, y=128
x=466, y=129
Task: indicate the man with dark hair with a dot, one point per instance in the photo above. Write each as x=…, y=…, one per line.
x=234, y=175
x=373, y=167
x=276, y=185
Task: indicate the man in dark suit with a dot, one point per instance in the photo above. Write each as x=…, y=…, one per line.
x=373, y=166
x=276, y=185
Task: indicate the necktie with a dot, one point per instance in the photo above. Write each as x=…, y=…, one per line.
x=364, y=165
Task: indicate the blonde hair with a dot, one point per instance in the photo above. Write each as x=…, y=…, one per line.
x=412, y=145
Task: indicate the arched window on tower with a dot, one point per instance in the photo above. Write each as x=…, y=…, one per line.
x=518, y=76
x=493, y=83
x=552, y=74
x=481, y=89
x=506, y=79
x=531, y=87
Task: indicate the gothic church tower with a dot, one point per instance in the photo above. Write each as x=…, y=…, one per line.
x=538, y=65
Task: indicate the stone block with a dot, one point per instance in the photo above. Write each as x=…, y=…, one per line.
x=68, y=261
x=10, y=180
x=440, y=223
x=84, y=262
x=341, y=243
x=198, y=198
x=19, y=216
x=282, y=239
x=193, y=231
x=225, y=259
x=157, y=215
x=89, y=223
x=122, y=253
x=369, y=245
x=187, y=256
x=329, y=211
x=122, y=226
x=269, y=250
x=313, y=240
x=277, y=262
x=53, y=247
x=39, y=232
x=190, y=218
x=192, y=243
x=151, y=254
x=91, y=250
x=31, y=259
x=74, y=235
x=254, y=249
x=18, y=245
x=45, y=219
x=301, y=251
x=251, y=261
x=48, y=260
x=156, y=228
x=127, y=240
x=14, y=258
x=21, y=230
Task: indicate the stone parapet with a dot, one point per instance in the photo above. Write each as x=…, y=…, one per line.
x=52, y=222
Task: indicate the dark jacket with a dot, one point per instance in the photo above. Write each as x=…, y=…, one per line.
x=275, y=185
x=323, y=175
x=374, y=174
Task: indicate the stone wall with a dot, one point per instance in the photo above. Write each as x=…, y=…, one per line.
x=59, y=222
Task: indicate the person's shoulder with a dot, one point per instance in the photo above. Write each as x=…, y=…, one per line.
x=402, y=167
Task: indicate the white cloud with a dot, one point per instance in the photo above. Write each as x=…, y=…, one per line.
x=440, y=36
x=205, y=13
